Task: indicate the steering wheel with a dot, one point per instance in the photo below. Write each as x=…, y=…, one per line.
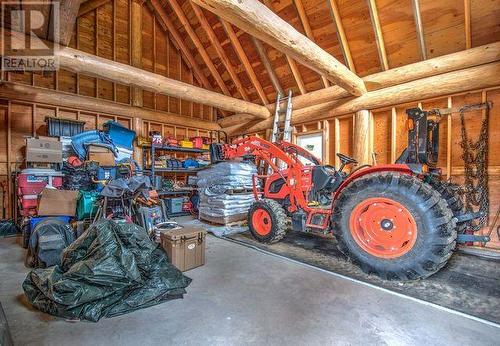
x=346, y=159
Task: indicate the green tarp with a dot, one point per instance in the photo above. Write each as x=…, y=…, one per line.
x=112, y=269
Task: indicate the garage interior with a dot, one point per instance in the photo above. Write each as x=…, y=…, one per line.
x=297, y=171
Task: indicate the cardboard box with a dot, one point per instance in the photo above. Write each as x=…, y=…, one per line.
x=57, y=202
x=103, y=156
x=185, y=247
x=43, y=149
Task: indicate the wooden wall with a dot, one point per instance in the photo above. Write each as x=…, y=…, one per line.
x=389, y=137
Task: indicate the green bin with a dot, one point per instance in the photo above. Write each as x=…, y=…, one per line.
x=87, y=204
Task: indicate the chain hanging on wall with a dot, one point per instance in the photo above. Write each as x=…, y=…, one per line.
x=475, y=156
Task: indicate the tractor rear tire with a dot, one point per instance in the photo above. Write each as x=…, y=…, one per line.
x=453, y=200
x=394, y=225
x=267, y=221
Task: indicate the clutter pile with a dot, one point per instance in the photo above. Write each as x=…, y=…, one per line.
x=84, y=201
x=136, y=275
x=225, y=191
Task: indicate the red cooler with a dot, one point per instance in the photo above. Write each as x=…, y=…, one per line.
x=31, y=182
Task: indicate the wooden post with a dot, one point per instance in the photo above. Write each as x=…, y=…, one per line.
x=361, y=139
x=136, y=47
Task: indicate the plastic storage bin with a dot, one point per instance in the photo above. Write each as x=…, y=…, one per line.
x=87, y=205
x=29, y=204
x=63, y=127
x=120, y=135
x=32, y=181
x=174, y=205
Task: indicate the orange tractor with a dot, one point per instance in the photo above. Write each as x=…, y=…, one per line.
x=398, y=221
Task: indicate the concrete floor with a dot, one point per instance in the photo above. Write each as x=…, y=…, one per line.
x=242, y=296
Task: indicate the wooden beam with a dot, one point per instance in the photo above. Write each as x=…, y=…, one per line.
x=136, y=94
x=93, y=66
x=199, y=46
x=68, y=11
x=479, y=77
x=344, y=44
x=467, y=14
x=21, y=92
x=90, y=5
x=428, y=68
x=307, y=29
x=361, y=145
x=212, y=37
x=296, y=75
x=267, y=64
x=379, y=39
x=240, y=52
x=259, y=21
x=419, y=28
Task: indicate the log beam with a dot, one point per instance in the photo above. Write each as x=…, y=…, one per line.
x=259, y=21
x=447, y=63
x=474, y=78
x=80, y=62
x=27, y=93
x=361, y=137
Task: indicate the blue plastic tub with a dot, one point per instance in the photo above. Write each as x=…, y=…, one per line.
x=120, y=135
x=35, y=220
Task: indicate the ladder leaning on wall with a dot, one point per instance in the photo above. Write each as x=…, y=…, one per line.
x=284, y=133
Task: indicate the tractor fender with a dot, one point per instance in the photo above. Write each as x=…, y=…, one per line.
x=401, y=168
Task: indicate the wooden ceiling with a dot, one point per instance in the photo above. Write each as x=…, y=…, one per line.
x=368, y=36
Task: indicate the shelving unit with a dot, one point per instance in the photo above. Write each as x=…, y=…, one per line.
x=152, y=170
x=154, y=148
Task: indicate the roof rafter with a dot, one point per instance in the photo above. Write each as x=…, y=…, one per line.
x=90, y=5
x=220, y=51
x=307, y=29
x=267, y=64
x=419, y=28
x=165, y=20
x=244, y=59
x=291, y=63
x=341, y=34
x=379, y=39
x=199, y=46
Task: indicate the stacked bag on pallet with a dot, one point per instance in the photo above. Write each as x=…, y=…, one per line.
x=217, y=203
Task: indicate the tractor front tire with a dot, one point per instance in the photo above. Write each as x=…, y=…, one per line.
x=267, y=221
x=394, y=225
